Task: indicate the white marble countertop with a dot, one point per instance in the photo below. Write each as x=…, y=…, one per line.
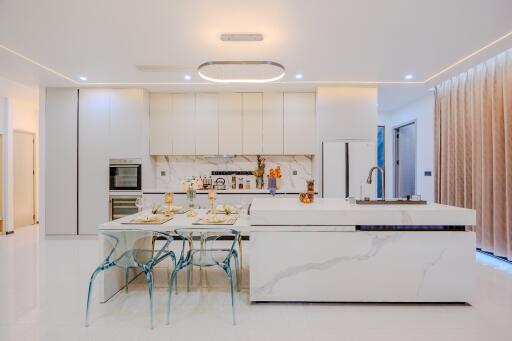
x=225, y=191
x=290, y=211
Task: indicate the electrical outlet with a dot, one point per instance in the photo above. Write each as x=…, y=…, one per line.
x=294, y=172
x=162, y=173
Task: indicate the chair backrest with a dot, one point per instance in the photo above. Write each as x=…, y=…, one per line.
x=131, y=247
x=208, y=237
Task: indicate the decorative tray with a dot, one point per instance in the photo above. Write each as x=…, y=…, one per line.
x=155, y=219
x=175, y=210
x=217, y=219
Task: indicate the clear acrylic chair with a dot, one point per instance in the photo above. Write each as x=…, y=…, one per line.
x=132, y=249
x=205, y=250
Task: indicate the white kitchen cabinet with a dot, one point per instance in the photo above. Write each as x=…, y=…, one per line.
x=61, y=161
x=252, y=123
x=299, y=123
x=206, y=125
x=230, y=123
x=183, y=124
x=126, y=123
x=272, y=130
x=93, y=159
x=160, y=123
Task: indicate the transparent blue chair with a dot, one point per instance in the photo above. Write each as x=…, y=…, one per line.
x=205, y=250
x=132, y=249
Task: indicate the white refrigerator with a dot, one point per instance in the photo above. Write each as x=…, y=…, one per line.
x=345, y=167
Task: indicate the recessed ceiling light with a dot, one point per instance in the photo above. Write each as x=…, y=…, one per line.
x=83, y=78
x=409, y=76
x=187, y=77
x=299, y=76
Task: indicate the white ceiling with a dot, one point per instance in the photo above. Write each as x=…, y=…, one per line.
x=330, y=42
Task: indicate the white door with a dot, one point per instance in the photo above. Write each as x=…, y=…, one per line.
x=334, y=171
x=24, y=210
x=405, y=160
x=126, y=120
x=361, y=158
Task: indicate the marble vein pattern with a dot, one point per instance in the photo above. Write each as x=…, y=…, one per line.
x=171, y=170
x=376, y=244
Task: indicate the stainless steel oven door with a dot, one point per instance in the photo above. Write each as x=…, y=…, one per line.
x=125, y=177
x=122, y=205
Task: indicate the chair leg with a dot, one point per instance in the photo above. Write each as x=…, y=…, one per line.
x=149, y=278
x=188, y=277
x=230, y=278
x=89, y=292
x=171, y=282
x=237, y=272
x=126, y=274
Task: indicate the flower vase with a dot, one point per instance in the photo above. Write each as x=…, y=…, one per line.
x=259, y=182
x=191, y=197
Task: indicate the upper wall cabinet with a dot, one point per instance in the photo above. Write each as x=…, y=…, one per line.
x=126, y=123
x=299, y=123
x=183, y=124
x=206, y=125
x=272, y=131
x=270, y=123
x=160, y=123
x=230, y=123
x=252, y=122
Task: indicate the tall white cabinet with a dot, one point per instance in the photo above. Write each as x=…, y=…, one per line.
x=84, y=128
x=60, y=137
x=93, y=159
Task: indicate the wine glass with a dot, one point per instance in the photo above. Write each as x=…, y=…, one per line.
x=139, y=202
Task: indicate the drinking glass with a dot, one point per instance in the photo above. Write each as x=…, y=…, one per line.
x=139, y=202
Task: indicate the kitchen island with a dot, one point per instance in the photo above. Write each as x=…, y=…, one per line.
x=334, y=251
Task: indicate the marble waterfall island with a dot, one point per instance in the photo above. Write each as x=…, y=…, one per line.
x=333, y=251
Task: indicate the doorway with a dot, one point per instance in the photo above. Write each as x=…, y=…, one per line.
x=405, y=159
x=24, y=178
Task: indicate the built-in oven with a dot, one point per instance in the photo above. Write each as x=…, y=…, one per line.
x=122, y=205
x=125, y=175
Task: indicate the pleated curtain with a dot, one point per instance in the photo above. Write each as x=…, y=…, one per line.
x=473, y=149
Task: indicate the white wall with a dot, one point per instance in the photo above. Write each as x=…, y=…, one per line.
x=344, y=113
x=20, y=107
x=421, y=111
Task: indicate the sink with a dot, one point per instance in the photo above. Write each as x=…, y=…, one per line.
x=391, y=202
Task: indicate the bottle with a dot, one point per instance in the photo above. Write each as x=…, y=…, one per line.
x=233, y=182
x=247, y=184
x=240, y=183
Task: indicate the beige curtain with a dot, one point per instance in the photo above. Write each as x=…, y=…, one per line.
x=473, y=149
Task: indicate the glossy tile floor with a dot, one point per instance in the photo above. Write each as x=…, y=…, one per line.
x=43, y=286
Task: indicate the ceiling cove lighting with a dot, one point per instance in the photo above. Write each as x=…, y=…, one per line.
x=83, y=78
x=408, y=77
x=241, y=71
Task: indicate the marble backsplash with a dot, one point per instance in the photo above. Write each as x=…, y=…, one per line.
x=171, y=170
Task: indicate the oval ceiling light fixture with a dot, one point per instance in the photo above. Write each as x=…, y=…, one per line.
x=241, y=71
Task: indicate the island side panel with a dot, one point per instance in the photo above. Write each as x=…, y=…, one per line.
x=362, y=266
